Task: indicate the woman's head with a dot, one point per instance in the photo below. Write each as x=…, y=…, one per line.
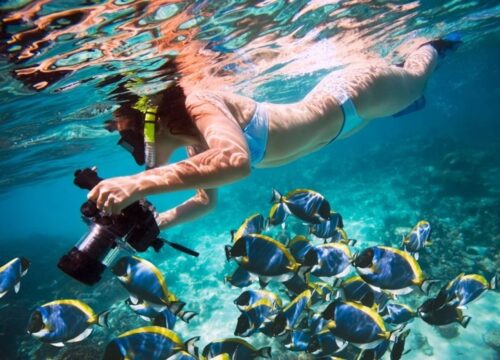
x=172, y=121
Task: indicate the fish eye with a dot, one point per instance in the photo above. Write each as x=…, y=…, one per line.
x=364, y=259
x=35, y=323
x=120, y=268
x=25, y=263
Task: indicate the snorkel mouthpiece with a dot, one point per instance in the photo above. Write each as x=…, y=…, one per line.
x=150, y=136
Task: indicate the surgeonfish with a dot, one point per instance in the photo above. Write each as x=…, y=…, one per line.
x=163, y=316
x=358, y=324
x=144, y=281
x=331, y=230
x=290, y=315
x=334, y=259
x=299, y=246
x=356, y=289
x=11, y=274
x=253, y=316
x=465, y=289
x=418, y=238
x=297, y=340
x=267, y=258
x=64, y=321
x=250, y=297
x=434, y=312
x=398, y=314
x=398, y=348
x=296, y=285
x=307, y=205
x=321, y=291
x=390, y=269
x=149, y=342
x=240, y=278
x=252, y=225
x=237, y=349
x=277, y=215
x=324, y=343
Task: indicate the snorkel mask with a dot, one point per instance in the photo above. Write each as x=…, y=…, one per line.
x=142, y=146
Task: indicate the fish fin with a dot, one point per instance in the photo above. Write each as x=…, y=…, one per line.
x=232, y=235
x=133, y=300
x=17, y=287
x=82, y=336
x=426, y=285
x=462, y=307
x=403, y=242
x=101, y=319
x=415, y=255
x=191, y=346
x=340, y=343
x=351, y=242
x=276, y=196
x=187, y=315
x=2, y=294
x=283, y=225
x=263, y=281
x=176, y=306
x=465, y=321
x=265, y=352
x=144, y=318
x=427, y=243
x=493, y=283
x=58, y=344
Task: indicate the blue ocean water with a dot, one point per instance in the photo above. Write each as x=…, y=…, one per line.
x=441, y=164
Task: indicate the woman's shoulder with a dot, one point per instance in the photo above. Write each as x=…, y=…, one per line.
x=232, y=104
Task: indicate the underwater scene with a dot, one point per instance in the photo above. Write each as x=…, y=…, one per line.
x=381, y=245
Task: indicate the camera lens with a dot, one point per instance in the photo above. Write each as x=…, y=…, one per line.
x=84, y=261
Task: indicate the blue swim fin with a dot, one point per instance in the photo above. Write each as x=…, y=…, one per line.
x=446, y=44
x=418, y=104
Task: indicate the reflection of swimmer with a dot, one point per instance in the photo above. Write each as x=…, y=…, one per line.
x=226, y=135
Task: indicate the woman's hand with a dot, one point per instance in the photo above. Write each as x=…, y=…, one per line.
x=115, y=194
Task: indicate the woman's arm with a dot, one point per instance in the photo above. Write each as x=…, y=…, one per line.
x=203, y=202
x=225, y=160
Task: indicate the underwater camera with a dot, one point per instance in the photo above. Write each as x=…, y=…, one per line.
x=134, y=229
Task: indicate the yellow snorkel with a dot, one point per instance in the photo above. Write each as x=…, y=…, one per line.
x=150, y=114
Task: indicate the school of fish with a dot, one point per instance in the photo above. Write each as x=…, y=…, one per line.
x=310, y=291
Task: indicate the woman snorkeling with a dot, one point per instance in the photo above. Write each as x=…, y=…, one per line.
x=226, y=135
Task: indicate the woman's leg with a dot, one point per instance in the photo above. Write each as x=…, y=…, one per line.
x=420, y=64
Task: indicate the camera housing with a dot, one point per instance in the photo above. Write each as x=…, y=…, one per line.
x=134, y=229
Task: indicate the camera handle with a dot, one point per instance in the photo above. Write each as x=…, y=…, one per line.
x=180, y=247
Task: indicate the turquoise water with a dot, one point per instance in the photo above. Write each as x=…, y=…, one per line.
x=441, y=164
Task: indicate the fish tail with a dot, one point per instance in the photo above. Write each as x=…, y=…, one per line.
x=265, y=352
x=176, y=306
x=465, y=321
x=351, y=242
x=426, y=285
x=493, y=283
x=276, y=197
x=101, y=319
x=191, y=346
x=186, y=315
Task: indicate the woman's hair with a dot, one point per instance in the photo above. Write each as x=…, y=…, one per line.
x=171, y=107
